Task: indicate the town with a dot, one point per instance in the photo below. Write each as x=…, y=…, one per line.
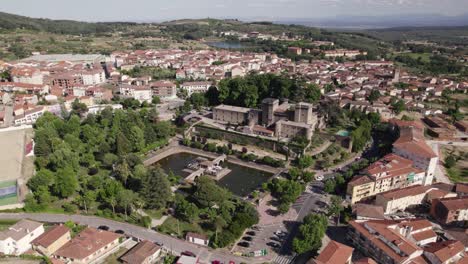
x=219, y=155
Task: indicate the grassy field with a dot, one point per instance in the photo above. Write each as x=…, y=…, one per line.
x=425, y=57
x=459, y=172
x=179, y=228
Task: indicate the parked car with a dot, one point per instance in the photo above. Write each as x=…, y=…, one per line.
x=247, y=238
x=103, y=227
x=244, y=244
x=251, y=233
x=189, y=253
x=273, y=245
x=119, y=232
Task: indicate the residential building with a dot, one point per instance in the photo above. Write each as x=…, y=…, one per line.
x=17, y=238
x=231, y=114
x=411, y=145
x=334, y=253
x=450, y=210
x=382, y=240
x=368, y=212
x=295, y=50
x=93, y=76
x=164, y=89
x=87, y=246
x=27, y=75
x=445, y=252
x=198, y=239
x=51, y=240
x=140, y=93
x=29, y=117
x=145, y=252
x=195, y=87
x=389, y=173
x=400, y=199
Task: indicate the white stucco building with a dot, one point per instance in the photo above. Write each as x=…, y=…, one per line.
x=17, y=238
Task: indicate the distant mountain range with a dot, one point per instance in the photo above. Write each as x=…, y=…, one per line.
x=367, y=22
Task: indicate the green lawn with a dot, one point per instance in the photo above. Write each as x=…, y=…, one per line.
x=9, y=199
x=179, y=228
x=458, y=175
x=7, y=184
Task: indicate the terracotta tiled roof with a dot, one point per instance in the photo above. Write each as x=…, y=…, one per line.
x=140, y=252
x=405, y=192
x=51, y=235
x=384, y=229
x=86, y=243
x=365, y=261
x=334, y=253
x=445, y=250
x=359, y=180
x=369, y=211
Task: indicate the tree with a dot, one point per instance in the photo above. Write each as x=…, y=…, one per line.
x=198, y=100
x=156, y=100
x=66, y=182
x=312, y=93
x=329, y=186
x=336, y=206
x=111, y=192
x=126, y=198
x=123, y=171
x=79, y=108
x=123, y=145
x=311, y=232
x=87, y=199
x=305, y=162
x=156, y=189
x=373, y=96
x=450, y=161
x=212, y=96
x=185, y=210
x=208, y=193
x=136, y=138
x=398, y=106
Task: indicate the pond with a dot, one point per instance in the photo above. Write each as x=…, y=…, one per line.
x=226, y=45
x=241, y=180
x=343, y=133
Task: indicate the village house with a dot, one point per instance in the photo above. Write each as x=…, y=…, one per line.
x=51, y=240
x=164, y=89
x=140, y=93
x=145, y=252
x=195, y=87
x=198, y=239
x=87, y=246
x=17, y=238
x=450, y=210
x=446, y=252
x=334, y=253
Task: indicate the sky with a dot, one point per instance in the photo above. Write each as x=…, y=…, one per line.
x=163, y=10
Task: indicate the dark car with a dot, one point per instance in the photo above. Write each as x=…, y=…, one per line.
x=273, y=245
x=188, y=253
x=103, y=227
x=247, y=238
x=274, y=238
x=251, y=233
x=244, y=244
x=119, y=232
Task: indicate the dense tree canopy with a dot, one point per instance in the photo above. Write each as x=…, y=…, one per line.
x=95, y=160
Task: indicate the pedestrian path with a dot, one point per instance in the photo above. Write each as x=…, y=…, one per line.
x=284, y=259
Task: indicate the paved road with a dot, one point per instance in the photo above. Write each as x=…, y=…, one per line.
x=174, y=245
